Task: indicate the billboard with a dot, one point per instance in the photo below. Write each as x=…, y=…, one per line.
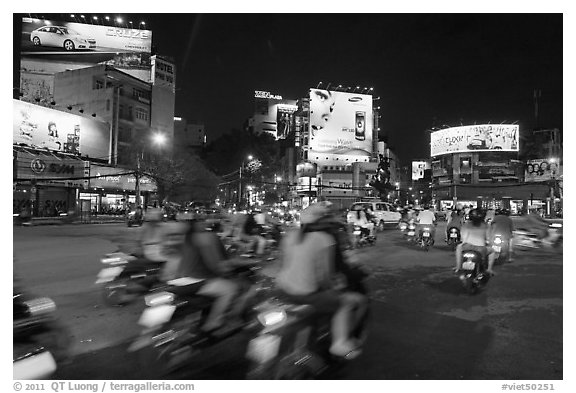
x=486, y=137
x=273, y=114
x=341, y=126
x=418, y=168
x=541, y=170
x=41, y=127
x=67, y=42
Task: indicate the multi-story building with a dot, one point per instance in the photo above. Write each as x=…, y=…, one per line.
x=188, y=137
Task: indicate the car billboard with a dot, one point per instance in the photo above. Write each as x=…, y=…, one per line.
x=341, y=126
x=485, y=137
x=60, y=42
x=41, y=127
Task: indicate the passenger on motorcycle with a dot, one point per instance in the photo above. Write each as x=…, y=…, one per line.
x=204, y=260
x=454, y=221
x=502, y=224
x=426, y=218
x=308, y=275
x=153, y=239
x=251, y=231
x=361, y=219
x=475, y=237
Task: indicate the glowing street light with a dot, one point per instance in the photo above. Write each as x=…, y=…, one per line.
x=159, y=138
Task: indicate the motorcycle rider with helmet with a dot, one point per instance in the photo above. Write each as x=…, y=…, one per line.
x=475, y=237
x=502, y=224
x=426, y=218
x=454, y=221
x=311, y=261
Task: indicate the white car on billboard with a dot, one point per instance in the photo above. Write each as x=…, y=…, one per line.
x=61, y=37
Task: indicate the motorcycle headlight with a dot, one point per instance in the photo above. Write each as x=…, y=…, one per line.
x=497, y=241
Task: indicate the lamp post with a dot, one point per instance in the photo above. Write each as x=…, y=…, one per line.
x=240, y=179
x=158, y=139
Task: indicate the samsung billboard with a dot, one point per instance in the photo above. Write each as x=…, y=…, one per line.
x=40, y=127
x=341, y=126
x=79, y=43
x=485, y=137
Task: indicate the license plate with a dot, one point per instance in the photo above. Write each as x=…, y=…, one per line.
x=426, y=234
x=39, y=366
x=468, y=265
x=157, y=315
x=108, y=274
x=411, y=233
x=357, y=232
x=496, y=248
x=263, y=348
x=453, y=235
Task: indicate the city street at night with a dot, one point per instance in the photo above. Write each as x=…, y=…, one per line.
x=424, y=326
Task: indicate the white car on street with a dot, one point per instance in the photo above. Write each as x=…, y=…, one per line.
x=385, y=213
x=61, y=37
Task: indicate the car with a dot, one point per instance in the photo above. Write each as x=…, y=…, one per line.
x=61, y=37
x=385, y=213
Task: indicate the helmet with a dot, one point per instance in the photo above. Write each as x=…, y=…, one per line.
x=154, y=214
x=316, y=212
x=476, y=215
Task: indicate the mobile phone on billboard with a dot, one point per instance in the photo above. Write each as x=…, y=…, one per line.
x=360, y=133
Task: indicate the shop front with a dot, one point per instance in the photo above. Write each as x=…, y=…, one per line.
x=111, y=190
x=45, y=184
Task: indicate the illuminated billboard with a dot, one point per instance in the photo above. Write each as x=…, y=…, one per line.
x=273, y=114
x=41, y=127
x=418, y=168
x=541, y=170
x=341, y=126
x=78, y=43
x=485, y=137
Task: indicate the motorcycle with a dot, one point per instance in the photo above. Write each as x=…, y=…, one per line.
x=410, y=234
x=171, y=334
x=473, y=273
x=361, y=239
x=134, y=218
x=453, y=238
x=39, y=341
x=500, y=247
x=425, y=238
x=127, y=277
x=524, y=238
x=291, y=341
x=403, y=226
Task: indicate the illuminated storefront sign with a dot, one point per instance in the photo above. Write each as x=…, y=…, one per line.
x=486, y=137
x=341, y=126
x=542, y=170
x=266, y=94
x=418, y=168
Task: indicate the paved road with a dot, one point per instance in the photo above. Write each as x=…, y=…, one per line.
x=424, y=326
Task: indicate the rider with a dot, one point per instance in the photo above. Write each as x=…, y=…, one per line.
x=475, y=238
x=309, y=273
x=251, y=231
x=502, y=224
x=204, y=270
x=361, y=219
x=426, y=218
x=454, y=221
x=152, y=241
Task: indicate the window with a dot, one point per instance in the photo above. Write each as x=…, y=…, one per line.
x=141, y=114
x=98, y=84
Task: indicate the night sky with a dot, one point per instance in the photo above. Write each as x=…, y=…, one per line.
x=428, y=69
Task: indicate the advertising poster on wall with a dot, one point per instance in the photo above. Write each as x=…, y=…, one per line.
x=41, y=127
x=69, y=42
x=541, y=170
x=486, y=137
x=273, y=114
x=341, y=126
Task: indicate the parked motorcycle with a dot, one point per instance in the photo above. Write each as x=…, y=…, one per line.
x=453, y=238
x=127, y=277
x=291, y=341
x=361, y=239
x=39, y=341
x=425, y=238
x=473, y=273
x=171, y=334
